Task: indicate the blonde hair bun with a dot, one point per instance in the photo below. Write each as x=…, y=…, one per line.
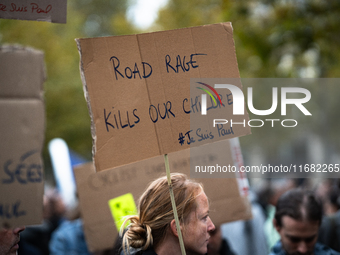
x=155, y=211
x=137, y=235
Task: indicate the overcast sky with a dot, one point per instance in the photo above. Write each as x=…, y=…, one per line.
x=144, y=12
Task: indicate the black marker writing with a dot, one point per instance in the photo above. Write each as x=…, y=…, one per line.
x=128, y=72
x=180, y=63
x=23, y=172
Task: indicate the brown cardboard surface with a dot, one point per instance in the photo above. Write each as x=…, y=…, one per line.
x=95, y=189
x=135, y=86
x=39, y=10
x=22, y=134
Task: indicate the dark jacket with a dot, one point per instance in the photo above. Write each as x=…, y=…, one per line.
x=147, y=252
x=319, y=249
x=225, y=249
x=329, y=233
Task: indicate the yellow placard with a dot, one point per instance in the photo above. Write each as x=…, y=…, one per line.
x=122, y=206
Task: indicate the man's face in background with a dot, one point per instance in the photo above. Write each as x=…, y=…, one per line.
x=9, y=239
x=298, y=237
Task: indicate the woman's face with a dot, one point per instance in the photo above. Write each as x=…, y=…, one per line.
x=196, y=230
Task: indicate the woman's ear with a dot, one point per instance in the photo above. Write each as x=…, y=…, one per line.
x=173, y=228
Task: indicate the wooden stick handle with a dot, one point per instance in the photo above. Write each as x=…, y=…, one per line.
x=167, y=168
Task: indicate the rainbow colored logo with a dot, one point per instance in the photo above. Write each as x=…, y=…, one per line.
x=204, y=98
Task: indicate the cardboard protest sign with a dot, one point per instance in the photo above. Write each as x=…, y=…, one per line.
x=22, y=115
x=138, y=89
x=100, y=192
x=39, y=10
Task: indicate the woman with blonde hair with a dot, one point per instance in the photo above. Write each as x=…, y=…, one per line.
x=153, y=231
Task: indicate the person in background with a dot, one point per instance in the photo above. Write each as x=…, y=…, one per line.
x=9, y=240
x=276, y=187
x=153, y=231
x=246, y=237
x=297, y=219
x=327, y=192
x=68, y=238
x=218, y=245
x=329, y=233
x=35, y=240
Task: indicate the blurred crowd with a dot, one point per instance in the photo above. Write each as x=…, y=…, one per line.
x=62, y=229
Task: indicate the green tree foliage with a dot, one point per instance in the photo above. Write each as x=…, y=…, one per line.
x=276, y=38
x=273, y=38
x=179, y=14
x=66, y=109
